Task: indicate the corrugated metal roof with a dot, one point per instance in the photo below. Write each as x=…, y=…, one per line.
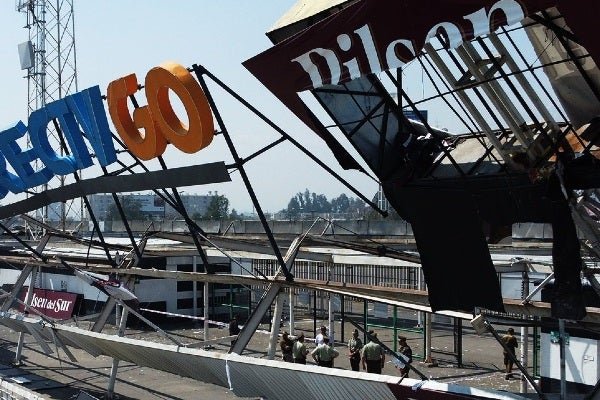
x=248, y=376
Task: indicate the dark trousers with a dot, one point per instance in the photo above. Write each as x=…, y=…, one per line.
x=327, y=364
x=374, y=366
x=355, y=363
x=300, y=360
x=508, y=363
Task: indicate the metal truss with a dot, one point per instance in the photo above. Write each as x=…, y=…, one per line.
x=53, y=75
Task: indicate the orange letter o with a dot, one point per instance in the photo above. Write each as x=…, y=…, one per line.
x=174, y=76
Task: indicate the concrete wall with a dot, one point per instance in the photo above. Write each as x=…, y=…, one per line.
x=293, y=228
x=12, y=391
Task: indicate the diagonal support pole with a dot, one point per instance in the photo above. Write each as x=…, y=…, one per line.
x=265, y=302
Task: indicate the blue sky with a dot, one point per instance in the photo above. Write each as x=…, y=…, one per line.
x=115, y=38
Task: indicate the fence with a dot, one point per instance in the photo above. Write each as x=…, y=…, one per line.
x=316, y=303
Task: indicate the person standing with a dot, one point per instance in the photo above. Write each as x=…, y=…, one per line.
x=324, y=354
x=373, y=356
x=510, y=341
x=321, y=335
x=406, y=355
x=299, y=350
x=354, y=347
x=234, y=328
x=286, y=345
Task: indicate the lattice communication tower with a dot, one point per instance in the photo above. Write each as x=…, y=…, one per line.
x=51, y=74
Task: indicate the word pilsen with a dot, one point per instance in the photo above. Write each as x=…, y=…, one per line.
x=81, y=117
x=397, y=52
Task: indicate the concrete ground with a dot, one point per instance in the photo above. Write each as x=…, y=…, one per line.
x=58, y=378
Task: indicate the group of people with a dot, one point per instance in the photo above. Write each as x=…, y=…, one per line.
x=297, y=352
x=371, y=355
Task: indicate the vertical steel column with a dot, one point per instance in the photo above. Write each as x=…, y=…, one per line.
x=458, y=348
x=330, y=320
x=275, y=323
x=195, y=288
x=205, y=297
x=342, y=317
x=524, y=330
x=428, y=344
x=291, y=302
x=563, y=369
x=365, y=319
x=230, y=301
x=536, y=348
x=315, y=312
x=394, y=323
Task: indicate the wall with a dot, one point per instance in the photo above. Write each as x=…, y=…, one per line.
x=295, y=228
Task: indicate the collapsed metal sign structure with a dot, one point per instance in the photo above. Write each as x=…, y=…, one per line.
x=529, y=155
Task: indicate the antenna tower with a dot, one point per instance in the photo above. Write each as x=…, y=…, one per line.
x=51, y=75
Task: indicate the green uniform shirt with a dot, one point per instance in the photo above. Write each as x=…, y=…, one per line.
x=511, y=342
x=372, y=351
x=325, y=352
x=299, y=350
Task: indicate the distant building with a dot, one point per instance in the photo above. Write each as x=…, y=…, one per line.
x=194, y=204
x=55, y=212
x=152, y=206
x=380, y=199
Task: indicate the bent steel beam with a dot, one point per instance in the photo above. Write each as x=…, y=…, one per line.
x=265, y=302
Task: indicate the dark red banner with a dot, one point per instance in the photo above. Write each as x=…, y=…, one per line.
x=373, y=36
x=54, y=304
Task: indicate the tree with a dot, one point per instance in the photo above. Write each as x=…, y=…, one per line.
x=340, y=204
x=319, y=204
x=307, y=202
x=218, y=208
x=356, y=207
x=293, y=208
x=132, y=208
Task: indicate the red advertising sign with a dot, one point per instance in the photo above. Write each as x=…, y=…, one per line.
x=372, y=36
x=54, y=304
